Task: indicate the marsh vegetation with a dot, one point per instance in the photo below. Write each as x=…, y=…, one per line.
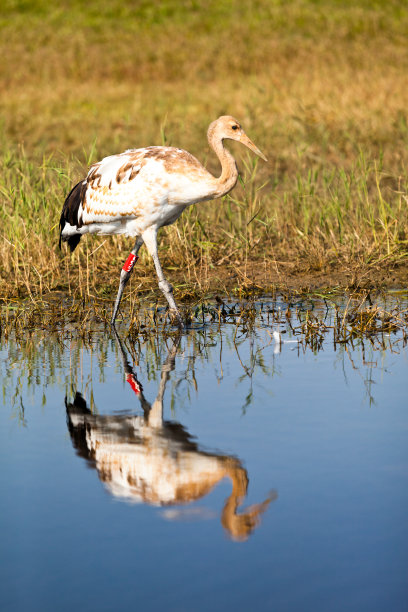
x=320, y=86
x=280, y=411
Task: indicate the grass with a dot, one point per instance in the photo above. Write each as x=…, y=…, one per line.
x=320, y=86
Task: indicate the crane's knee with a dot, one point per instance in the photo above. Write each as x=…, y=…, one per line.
x=165, y=286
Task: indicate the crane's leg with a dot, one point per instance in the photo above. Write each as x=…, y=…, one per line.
x=150, y=240
x=125, y=275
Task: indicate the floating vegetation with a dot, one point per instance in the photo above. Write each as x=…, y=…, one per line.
x=46, y=343
x=309, y=320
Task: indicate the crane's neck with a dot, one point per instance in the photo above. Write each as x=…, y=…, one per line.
x=229, y=174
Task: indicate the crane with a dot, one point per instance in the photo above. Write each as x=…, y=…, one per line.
x=137, y=192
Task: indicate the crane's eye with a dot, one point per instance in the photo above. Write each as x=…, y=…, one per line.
x=234, y=127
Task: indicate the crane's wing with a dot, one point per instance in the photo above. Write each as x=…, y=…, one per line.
x=110, y=192
x=136, y=184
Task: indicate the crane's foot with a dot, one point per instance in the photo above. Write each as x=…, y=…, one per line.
x=115, y=312
x=177, y=318
x=167, y=291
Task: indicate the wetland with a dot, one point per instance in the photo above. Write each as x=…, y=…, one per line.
x=257, y=459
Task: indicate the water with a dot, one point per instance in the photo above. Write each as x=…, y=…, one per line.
x=226, y=471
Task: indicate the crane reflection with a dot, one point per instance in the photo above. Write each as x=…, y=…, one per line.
x=146, y=458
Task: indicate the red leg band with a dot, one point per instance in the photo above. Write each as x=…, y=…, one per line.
x=130, y=262
x=133, y=383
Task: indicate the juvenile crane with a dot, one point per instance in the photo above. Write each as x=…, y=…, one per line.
x=139, y=191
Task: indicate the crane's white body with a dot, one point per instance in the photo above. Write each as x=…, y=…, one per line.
x=140, y=188
x=137, y=192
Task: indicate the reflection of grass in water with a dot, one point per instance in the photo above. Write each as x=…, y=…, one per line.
x=93, y=80
x=358, y=317
x=36, y=359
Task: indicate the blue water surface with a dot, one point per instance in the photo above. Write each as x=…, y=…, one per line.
x=221, y=471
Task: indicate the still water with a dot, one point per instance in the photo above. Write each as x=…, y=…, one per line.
x=230, y=469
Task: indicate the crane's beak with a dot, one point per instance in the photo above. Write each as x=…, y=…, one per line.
x=248, y=143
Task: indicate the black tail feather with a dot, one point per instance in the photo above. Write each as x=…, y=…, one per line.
x=73, y=241
x=70, y=214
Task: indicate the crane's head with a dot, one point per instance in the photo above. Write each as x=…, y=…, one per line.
x=228, y=127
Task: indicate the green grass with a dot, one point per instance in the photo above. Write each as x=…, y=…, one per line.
x=320, y=87
x=319, y=221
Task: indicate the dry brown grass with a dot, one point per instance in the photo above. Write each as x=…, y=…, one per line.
x=321, y=87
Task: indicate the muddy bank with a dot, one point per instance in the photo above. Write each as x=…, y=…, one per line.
x=285, y=276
